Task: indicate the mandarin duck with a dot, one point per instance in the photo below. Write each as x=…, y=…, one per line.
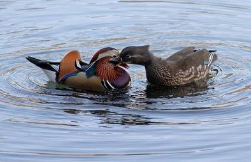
x=105, y=71
x=183, y=67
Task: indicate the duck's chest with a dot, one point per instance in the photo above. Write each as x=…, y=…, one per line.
x=160, y=75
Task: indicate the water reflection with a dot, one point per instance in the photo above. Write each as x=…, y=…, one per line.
x=153, y=91
x=113, y=117
x=108, y=116
x=125, y=97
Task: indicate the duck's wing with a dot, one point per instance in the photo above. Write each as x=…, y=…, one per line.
x=70, y=64
x=56, y=71
x=182, y=53
x=50, y=68
x=199, y=59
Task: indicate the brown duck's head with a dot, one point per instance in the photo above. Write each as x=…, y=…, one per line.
x=136, y=55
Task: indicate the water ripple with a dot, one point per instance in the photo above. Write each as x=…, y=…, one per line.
x=43, y=121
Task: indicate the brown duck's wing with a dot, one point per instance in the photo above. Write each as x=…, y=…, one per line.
x=68, y=63
x=182, y=53
x=201, y=57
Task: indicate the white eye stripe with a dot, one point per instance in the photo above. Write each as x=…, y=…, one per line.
x=111, y=53
x=128, y=56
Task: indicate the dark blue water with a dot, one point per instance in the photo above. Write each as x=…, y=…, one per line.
x=40, y=122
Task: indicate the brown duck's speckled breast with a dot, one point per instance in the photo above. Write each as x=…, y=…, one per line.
x=167, y=73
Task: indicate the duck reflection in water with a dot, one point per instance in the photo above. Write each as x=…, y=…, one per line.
x=114, y=117
x=194, y=89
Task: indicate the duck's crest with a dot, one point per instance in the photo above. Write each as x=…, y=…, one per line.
x=96, y=55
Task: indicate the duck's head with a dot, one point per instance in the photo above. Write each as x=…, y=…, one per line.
x=110, y=54
x=136, y=55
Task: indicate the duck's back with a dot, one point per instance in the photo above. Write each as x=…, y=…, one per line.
x=181, y=53
x=180, y=69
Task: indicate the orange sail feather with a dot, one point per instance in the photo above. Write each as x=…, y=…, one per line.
x=67, y=64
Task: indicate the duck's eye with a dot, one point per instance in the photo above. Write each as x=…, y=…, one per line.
x=128, y=56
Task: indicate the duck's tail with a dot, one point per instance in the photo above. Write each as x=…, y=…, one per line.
x=215, y=57
x=212, y=53
x=212, y=58
x=51, y=69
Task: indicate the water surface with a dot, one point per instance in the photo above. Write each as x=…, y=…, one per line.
x=40, y=122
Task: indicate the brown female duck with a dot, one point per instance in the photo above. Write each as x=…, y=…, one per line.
x=183, y=67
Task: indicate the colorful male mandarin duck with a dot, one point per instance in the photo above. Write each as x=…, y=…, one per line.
x=104, y=72
x=183, y=67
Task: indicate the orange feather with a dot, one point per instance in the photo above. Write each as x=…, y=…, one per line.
x=105, y=70
x=67, y=64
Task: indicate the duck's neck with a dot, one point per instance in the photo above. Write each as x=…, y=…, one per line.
x=156, y=69
x=152, y=61
x=105, y=70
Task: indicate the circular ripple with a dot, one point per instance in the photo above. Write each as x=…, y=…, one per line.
x=42, y=121
x=25, y=85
